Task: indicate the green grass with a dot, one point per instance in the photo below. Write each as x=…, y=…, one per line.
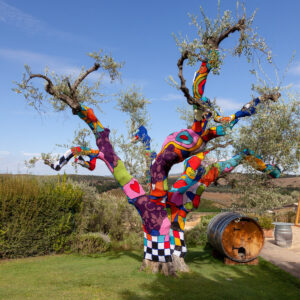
x=116, y=276
x=207, y=206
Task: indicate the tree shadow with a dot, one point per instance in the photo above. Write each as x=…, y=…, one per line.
x=211, y=279
x=135, y=254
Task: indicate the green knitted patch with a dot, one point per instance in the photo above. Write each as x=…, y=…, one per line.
x=121, y=174
x=200, y=190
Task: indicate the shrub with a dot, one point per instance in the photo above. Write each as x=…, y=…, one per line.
x=198, y=236
x=130, y=241
x=109, y=213
x=91, y=243
x=36, y=216
x=266, y=222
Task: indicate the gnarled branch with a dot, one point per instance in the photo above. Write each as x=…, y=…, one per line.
x=213, y=43
x=50, y=89
x=183, y=88
x=95, y=67
x=239, y=26
x=220, y=146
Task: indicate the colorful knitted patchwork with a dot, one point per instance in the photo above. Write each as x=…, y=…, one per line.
x=193, y=171
x=164, y=237
x=142, y=136
x=200, y=80
x=248, y=109
x=177, y=242
x=157, y=248
x=200, y=76
x=77, y=152
x=181, y=145
x=87, y=114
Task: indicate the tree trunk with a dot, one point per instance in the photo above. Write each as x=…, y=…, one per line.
x=168, y=269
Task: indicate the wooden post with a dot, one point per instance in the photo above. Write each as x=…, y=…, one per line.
x=298, y=214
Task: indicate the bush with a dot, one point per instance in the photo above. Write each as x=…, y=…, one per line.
x=265, y=222
x=91, y=243
x=197, y=236
x=130, y=241
x=36, y=216
x=109, y=213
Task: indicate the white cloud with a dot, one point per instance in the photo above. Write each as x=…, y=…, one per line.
x=228, y=104
x=30, y=154
x=57, y=64
x=33, y=58
x=3, y=152
x=13, y=16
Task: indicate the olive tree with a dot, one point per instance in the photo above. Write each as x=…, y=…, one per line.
x=164, y=238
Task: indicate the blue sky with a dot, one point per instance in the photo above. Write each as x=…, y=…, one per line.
x=59, y=34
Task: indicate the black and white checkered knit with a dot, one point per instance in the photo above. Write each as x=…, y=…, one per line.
x=178, y=246
x=157, y=248
x=62, y=161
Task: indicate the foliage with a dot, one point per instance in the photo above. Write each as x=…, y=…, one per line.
x=197, y=236
x=258, y=194
x=107, y=63
x=134, y=105
x=107, y=213
x=273, y=133
x=265, y=222
x=110, y=185
x=210, y=33
x=37, y=217
x=59, y=88
x=90, y=243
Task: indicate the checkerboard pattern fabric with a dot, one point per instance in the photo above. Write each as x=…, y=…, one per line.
x=157, y=248
x=178, y=246
x=62, y=161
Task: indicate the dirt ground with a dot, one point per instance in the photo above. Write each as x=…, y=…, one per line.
x=222, y=199
x=287, y=259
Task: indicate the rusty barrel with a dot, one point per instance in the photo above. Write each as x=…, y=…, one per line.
x=236, y=236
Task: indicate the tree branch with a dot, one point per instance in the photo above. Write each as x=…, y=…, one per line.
x=183, y=88
x=220, y=146
x=69, y=85
x=50, y=89
x=272, y=96
x=213, y=43
x=239, y=26
x=95, y=67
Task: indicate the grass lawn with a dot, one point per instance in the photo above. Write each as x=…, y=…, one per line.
x=117, y=276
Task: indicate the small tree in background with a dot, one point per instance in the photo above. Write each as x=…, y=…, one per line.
x=132, y=102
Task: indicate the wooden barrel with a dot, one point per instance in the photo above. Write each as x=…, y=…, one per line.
x=236, y=236
x=283, y=234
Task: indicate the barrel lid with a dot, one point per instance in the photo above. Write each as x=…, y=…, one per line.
x=282, y=223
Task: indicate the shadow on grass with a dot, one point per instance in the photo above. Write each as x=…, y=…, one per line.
x=211, y=279
x=115, y=255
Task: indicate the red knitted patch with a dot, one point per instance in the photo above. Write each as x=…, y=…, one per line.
x=184, y=137
x=180, y=184
x=135, y=187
